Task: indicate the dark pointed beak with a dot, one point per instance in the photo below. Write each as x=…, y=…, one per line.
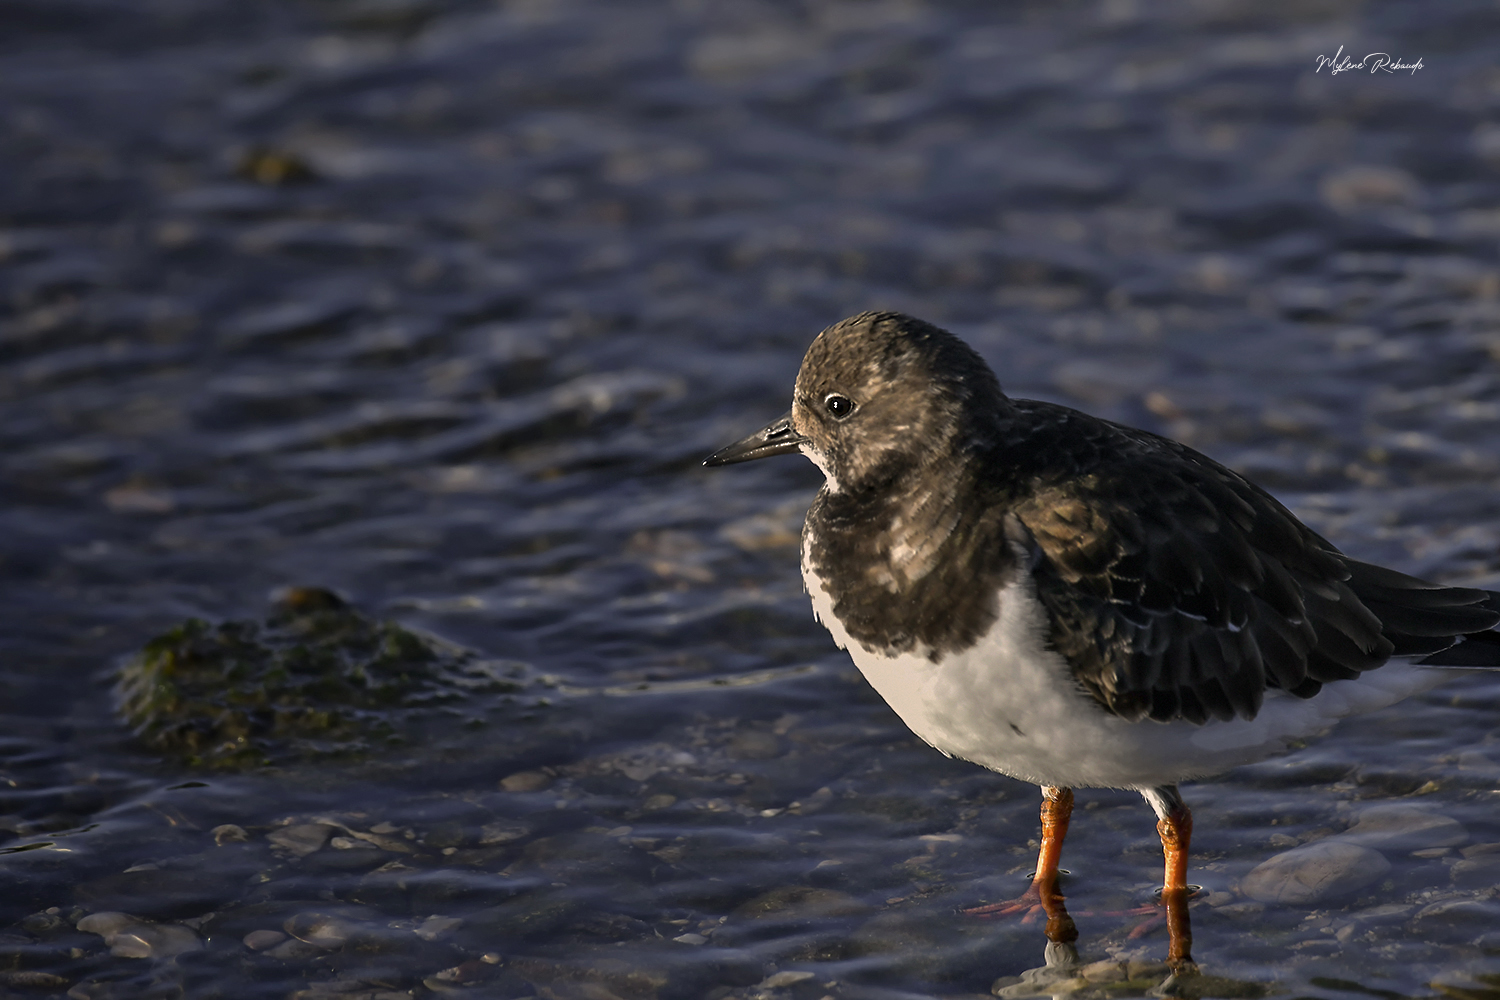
x=776, y=438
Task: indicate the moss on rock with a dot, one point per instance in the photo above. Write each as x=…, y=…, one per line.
x=316, y=678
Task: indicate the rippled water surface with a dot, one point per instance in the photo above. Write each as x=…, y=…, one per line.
x=439, y=304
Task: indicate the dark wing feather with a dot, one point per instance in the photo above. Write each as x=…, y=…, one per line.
x=1178, y=589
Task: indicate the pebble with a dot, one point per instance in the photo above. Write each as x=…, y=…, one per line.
x=1472, y=915
x=131, y=937
x=813, y=803
x=301, y=839
x=1385, y=913
x=467, y=974
x=43, y=923
x=263, y=940
x=1322, y=870
x=436, y=927
x=502, y=832
x=229, y=833
x=1474, y=850
x=782, y=979
x=1400, y=827
x=322, y=930
x=1105, y=971
x=1047, y=980
x=693, y=939
x=754, y=744
x=525, y=781
x=1479, y=872
x=660, y=801
x=1138, y=968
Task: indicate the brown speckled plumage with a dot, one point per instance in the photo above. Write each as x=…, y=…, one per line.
x=1175, y=587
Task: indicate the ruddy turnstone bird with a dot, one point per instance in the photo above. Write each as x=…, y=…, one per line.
x=1077, y=603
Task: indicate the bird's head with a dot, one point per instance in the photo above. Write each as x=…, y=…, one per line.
x=879, y=394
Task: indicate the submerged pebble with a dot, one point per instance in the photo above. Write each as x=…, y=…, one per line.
x=131, y=937
x=1326, y=869
x=436, y=928
x=1400, y=827
x=229, y=833
x=526, y=781
x=301, y=839
x=264, y=939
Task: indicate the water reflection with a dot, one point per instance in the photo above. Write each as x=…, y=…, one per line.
x=1064, y=973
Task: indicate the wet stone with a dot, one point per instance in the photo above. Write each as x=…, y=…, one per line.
x=445, y=835
x=1384, y=914
x=1479, y=872
x=130, y=937
x=754, y=744
x=781, y=980
x=1106, y=971
x=610, y=926
x=465, y=974
x=44, y=923
x=1468, y=916
x=31, y=979
x=357, y=857
x=1399, y=827
x=502, y=832
x=1326, y=869
x=263, y=939
x=228, y=833
x=301, y=839
x=435, y=928
x=322, y=930
x=526, y=781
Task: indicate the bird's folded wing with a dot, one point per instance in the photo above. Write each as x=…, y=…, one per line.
x=1178, y=589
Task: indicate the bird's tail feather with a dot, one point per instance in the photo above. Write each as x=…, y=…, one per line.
x=1475, y=649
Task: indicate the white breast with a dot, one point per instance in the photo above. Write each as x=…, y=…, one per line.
x=1011, y=704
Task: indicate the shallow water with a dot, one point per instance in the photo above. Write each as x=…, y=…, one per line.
x=441, y=303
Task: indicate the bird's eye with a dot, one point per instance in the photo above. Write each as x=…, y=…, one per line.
x=839, y=406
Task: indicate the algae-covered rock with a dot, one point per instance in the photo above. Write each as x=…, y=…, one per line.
x=316, y=678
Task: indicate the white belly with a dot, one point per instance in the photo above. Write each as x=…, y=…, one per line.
x=1011, y=704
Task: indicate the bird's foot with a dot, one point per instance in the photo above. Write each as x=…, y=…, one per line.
x=1028, y=903
x=1041, y=896
x=1179, y=982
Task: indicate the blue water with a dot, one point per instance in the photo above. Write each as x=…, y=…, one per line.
x=440, y=304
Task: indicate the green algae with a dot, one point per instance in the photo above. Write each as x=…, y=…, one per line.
x=315, y=679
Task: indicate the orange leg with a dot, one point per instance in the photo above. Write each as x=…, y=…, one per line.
x=1175, y=825
x=1042, y=894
